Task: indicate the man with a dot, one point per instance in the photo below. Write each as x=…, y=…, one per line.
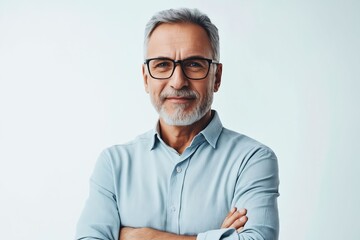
x=186, y=178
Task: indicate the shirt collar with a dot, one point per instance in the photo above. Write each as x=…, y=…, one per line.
x=155, y=136
x=211, y=132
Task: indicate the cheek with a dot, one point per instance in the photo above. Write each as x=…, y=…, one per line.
x=204, y=90
x=155, y=90
x=153, y=87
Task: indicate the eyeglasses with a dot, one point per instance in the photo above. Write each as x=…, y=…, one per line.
x=193, y=68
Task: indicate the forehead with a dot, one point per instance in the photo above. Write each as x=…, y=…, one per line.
x=179, y=40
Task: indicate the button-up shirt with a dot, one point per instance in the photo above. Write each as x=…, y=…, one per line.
x=146, y=183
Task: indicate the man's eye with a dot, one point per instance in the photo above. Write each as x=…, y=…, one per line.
x=194, y=64
x=164, y=64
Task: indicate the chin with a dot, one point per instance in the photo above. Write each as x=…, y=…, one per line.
x=180, y=118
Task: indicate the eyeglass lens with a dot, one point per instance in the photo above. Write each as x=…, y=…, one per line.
x=192, y=68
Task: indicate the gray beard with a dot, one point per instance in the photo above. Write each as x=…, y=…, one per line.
x=182, y=118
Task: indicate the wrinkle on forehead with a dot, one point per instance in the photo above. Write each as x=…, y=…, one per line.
x=179, y=41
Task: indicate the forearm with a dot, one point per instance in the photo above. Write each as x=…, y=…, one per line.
x=235, y=219
x=127, y=233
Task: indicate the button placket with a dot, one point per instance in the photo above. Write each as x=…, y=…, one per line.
x=175, y=191
x=176, y=186
x=178, y=169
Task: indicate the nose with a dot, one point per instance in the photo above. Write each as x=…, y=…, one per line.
x=178, y=80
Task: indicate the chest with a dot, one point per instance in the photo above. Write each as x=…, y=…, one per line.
x=184, y=196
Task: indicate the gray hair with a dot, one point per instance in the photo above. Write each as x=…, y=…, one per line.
x=185, y=15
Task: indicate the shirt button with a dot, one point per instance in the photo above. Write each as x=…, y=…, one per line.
x=173, y=209
x=178, y=169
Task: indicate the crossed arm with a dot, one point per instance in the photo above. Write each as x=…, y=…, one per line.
x=256, y=190
x=235, y=219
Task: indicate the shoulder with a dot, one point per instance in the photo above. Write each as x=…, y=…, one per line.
x=255, y=159
x=123, y=152
x=116, y=157
x=246, y=150
x=236, y=139
x=141, y=141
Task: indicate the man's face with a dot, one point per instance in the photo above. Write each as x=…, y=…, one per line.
x=179, y=100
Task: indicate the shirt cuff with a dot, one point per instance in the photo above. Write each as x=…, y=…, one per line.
x=225, y=233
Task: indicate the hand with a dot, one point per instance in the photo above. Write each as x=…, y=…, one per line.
x=235, y=219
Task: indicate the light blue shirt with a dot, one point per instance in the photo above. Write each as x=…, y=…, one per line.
x=146, y=183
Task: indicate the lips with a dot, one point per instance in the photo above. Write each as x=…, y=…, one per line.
x=178, y=95
x=178, y=99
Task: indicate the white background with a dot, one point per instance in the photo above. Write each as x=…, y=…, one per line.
x=70, y=85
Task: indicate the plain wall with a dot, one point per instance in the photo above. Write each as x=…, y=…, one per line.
x=71, y=85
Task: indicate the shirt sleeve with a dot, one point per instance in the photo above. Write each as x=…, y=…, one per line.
x=257, y=191
x=100, y=217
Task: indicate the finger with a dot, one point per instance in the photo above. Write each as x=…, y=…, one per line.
x=242, y=211
x=231, y=220
x=227, y=223
x=231, y=212
x=239, y=222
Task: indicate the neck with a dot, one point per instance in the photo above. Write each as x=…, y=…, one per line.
x=180, y=137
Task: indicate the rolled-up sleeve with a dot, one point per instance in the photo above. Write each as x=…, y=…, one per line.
x=100, y=216
x=257, y=191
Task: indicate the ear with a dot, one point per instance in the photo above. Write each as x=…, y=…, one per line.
x=145, y=77
x=218, y=77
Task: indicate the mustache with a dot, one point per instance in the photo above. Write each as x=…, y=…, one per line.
x=186, y=93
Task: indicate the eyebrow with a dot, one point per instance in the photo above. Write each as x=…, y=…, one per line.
x=190, y=57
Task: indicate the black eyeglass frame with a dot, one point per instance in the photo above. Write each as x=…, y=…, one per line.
x=210, y=61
